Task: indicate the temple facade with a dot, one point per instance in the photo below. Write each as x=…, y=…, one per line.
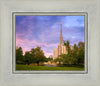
x=61, y=49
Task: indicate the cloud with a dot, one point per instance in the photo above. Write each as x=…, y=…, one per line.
x=73, y=21
x=27, y=45
x=44, y=31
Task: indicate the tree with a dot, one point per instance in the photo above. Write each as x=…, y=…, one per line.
x=67, y=59
x=75, y=55
x=74, y=51
x=27, y=58
x=64, y=58
x=32, y=52
x=67, y=44
x=81, y=52
x=50, y=58
x=36, y=55
x=58, y=59
x=39, y=55
x=19, y=55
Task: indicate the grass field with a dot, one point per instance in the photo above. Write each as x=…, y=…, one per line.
x=30, y=67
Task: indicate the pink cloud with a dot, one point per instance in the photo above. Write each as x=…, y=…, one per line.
x=27, y=45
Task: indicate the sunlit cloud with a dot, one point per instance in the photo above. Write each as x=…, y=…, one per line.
x=44, y=31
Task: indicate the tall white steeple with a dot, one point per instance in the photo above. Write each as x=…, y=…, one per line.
x=61, y=38
x=61, y=48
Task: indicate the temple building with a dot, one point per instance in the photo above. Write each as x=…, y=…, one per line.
x=61, y=49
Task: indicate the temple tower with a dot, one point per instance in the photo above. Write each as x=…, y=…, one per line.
x=61, y=49
x=61, y=37
x=60, y=40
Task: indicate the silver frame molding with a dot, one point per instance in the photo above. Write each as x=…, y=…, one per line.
x=49, y=13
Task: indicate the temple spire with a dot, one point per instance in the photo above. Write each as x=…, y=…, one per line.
x=61, y=38
x=61, y=28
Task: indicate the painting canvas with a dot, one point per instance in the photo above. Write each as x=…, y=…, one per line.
x=50, y=42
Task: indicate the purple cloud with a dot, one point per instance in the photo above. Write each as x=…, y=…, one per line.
x=44, y=31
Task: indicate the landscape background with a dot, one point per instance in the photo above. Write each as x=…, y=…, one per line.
x=37, y=36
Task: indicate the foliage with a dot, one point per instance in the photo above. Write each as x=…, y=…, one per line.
x=75, y=55
x=39, y=55
x=19, y=55
x=28, y=59
x=36, y=55
x=81, y=53
x=67, y=44
x=68, y=59
x=50, y=58
x=58, y=59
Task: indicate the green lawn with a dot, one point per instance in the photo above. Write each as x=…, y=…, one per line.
x=30, y=67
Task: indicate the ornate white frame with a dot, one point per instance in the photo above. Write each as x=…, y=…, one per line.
x=6, y=74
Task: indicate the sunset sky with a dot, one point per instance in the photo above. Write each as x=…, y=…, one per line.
x=44, y=31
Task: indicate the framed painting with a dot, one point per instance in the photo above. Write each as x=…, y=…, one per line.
x=42, y=43
x=64, y=50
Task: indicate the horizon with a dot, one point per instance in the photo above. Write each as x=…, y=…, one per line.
x=44, y=31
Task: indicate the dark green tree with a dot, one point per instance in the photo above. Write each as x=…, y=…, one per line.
x=67, y=44
x=74, y=51
x=67, y=59
x=39, y=55
x=19, y=55
x=81, y=53
x=32, y=52
x=27, y=58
